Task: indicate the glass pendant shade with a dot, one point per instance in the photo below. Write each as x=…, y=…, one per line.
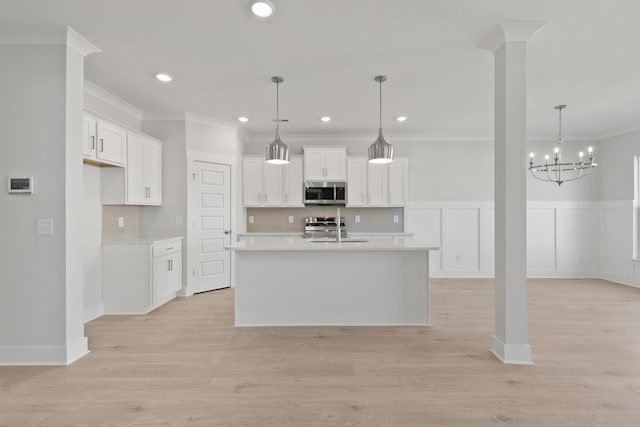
x=380, y=151
x=277, y=153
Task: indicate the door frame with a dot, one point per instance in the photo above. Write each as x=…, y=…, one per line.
x=221, y=159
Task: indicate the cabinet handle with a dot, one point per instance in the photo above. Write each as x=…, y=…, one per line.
x=265, y=198
x=168, y=265
x=93, y=142
x=168, y=249
x=147, y=192
x=101, y=145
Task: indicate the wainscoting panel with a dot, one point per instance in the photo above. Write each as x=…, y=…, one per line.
x=617, y=242
x=562, y=238
x=461, y=248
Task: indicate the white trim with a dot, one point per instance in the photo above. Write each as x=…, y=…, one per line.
x=93, y=312
x=47, y=36
x=512, y=354
x=203, y=156
x=450, y=204
x=109, y=98
x=619, y=279
x=197, y=118
x=509, y=33
x=155, y=116
x=46, y=355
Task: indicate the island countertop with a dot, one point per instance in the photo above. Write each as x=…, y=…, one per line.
x=300, y=244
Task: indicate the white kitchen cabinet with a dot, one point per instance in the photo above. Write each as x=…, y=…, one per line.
x=325, y=163
x=103, y=142
x=262, y=183
x=377, y=185
x=293, y=183
x=140, y=182
x=140, y=275
x=356, y=181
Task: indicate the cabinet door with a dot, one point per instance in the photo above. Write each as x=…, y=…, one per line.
x=293, y=183
x=314, y=165
x=136, y=191
x=174, y=274
x=152, y=172
x=89, y=142
x=398, y=180
x=252, y=181
x=356, y=181
x=159, y=280
x=112, y=142
x=272, y=184
x=377, y=184
x=335, y=164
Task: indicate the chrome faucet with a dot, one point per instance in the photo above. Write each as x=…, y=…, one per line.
x=338, y=233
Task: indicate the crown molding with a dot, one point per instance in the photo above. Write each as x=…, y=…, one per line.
x=197, y=118
x=615, y=134
x=47, y=36
x=108, y=98
x=510, y=32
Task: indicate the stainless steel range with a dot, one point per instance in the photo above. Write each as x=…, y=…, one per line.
x=324, y=227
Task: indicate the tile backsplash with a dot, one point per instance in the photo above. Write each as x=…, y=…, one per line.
x=274, y=220
x=110, y=228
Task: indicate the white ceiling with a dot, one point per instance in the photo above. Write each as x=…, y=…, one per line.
x=328, y=51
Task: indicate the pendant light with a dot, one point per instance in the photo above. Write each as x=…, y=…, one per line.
x=380, y=151
x=558, y=171
x=277, y=153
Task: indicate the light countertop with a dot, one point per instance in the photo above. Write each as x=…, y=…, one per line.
x=298, y=244
x=142, y=240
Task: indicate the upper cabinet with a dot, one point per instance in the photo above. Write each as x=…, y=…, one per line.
x=325, y=163
x=264, y=184
x=371, y=184
x=103, y=142
x=140, y=182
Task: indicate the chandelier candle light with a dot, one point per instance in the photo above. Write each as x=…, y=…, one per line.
x=558, y=171
x=277, y=152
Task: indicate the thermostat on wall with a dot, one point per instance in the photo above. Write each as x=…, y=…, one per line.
x=20, y=185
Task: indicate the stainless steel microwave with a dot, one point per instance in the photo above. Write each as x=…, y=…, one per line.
x=325, y=193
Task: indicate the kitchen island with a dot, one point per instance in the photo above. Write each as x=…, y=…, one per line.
x=295, y=282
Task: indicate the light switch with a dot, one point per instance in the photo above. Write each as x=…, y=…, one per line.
x=179, y=220
x=290, y=219
x=45, y=227
x=121, y=221
x=357, y=218
x=396, y=218
x=250, y=219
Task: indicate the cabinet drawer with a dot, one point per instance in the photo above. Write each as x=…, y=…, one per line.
x=160, y=249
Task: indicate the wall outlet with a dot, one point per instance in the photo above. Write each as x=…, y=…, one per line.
x=357, y=218
x=396, y=219
x=179, y=220
x=250, y=219
x=290, y=219
x=121, y=221
x=44, y=227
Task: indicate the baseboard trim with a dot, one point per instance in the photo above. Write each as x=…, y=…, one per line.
x=43, y=355
x=93, y=312
x=512, y=354
x=622, y=280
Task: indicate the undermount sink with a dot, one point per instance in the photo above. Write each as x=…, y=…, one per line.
x=345, y=240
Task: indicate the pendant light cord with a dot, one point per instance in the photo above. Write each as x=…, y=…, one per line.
x=277, y=106
x=380, y=103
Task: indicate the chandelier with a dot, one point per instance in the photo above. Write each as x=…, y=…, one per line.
x=558, y=171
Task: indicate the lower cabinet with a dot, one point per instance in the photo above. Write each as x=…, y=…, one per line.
x=140, y=275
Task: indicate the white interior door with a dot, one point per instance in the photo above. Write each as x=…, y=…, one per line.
x=209, y=227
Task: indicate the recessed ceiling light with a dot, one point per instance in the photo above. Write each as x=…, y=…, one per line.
x=243, y=119
x=164, y=77
x=325, y=119
x=401, y=118
x=262, y=9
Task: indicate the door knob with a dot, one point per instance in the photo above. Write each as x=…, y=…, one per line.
x=227, y=231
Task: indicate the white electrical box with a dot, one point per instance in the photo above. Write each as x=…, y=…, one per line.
x=20, y=185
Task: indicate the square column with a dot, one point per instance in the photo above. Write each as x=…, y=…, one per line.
x=509, y=44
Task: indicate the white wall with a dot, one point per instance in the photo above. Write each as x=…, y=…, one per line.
x=42, y=304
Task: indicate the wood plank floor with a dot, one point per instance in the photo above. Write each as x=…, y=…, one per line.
x=186, y=365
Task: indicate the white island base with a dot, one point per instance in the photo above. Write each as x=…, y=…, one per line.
x=329, y=284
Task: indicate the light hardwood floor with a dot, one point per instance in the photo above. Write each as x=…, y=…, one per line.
x=185, y=364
